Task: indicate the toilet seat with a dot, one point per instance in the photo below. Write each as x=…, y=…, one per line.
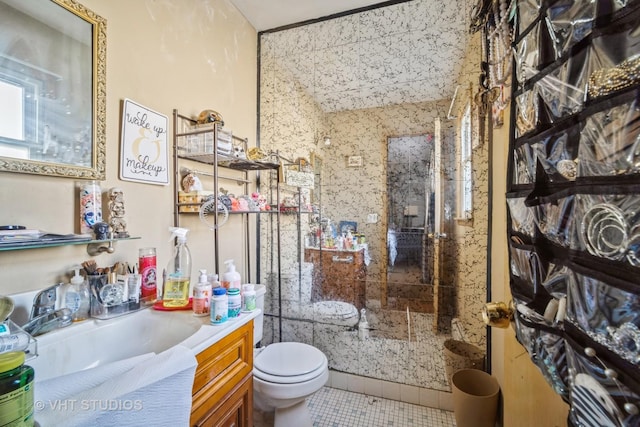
x=289, y=363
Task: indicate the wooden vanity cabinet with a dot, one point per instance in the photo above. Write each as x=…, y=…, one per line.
x=337, y=275
x=223, y=384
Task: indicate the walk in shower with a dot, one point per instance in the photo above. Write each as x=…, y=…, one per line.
x=350, y=78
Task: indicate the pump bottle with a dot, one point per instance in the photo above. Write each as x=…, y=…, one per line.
x=76, y=297
x=202, y=295
x=231, y=278
x=178, y=278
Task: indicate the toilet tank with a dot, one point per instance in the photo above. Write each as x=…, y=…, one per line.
x=259, y=320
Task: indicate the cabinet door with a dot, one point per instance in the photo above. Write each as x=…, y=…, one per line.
x=236, y=411
x=220, y=369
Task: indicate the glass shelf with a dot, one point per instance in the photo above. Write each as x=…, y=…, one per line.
x=53, y=243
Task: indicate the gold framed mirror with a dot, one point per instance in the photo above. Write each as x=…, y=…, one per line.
x=53, y=87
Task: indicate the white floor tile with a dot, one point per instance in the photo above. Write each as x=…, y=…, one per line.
x=332, y=407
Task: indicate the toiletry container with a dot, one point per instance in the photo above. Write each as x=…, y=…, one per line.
x=231, y=278
x=202, y=295
x=235, y=302
x=16, y=390
x=219, y=306
x=77, y=297
x=363, y=325
x=90, y=206
x=249, y=297
x=175, y=292
x=148, y=272
x=18, y=341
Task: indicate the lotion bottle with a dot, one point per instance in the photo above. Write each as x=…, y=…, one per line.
x=202, y=295
x=176, y=287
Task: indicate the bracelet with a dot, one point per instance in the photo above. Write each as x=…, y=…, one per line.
x=604, y=231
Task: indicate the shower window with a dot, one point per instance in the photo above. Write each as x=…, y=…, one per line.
x=464, y=209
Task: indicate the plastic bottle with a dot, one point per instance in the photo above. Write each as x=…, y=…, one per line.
x=363, y=325
x=90, y=206
x=213, y=281
x=16, y=389
x=148, y=273
x=219, y=306
x=235, y=304
x=249, y=297
x=176, y=288
x=76, y=297
x=231, y=278
x=202, y=295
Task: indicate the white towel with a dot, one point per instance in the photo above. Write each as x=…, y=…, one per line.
x=154, y=390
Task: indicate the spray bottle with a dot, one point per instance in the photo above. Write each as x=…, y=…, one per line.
x=178, y=278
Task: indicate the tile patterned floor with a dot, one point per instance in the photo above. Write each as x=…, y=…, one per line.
x=331, y=407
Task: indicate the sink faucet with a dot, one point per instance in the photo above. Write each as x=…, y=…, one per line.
x=44, y=302
x=44, y=317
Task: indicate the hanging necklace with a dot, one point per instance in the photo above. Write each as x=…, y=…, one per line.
x=500, y=53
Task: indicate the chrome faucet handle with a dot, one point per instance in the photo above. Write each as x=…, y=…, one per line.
x=47, y=322
x=44, y=302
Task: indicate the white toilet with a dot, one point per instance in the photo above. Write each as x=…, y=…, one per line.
x=285, y=374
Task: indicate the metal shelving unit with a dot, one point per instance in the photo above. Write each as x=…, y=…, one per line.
x=185, y=127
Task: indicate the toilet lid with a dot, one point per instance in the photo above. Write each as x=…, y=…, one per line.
x=289, y=359
x=335, y=309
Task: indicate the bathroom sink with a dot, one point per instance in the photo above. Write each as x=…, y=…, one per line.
x=94, y=342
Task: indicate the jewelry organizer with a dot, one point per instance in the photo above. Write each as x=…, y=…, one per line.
x=573, y=199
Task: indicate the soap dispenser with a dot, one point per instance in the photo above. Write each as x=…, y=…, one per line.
x=76, y=297
x=231, y=278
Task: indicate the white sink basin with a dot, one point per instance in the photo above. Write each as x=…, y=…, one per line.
x=92, y=342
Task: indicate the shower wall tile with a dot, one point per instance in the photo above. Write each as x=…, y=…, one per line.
x=297, y=331
x=337, y=67
x=385, y=61
x=387, y=364
x=384, y=21
x=293, y=41
x=344, y=30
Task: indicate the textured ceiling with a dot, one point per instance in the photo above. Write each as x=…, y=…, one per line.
x=269, y=14
x=402, y=53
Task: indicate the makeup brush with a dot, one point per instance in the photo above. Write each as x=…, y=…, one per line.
x=90, y=266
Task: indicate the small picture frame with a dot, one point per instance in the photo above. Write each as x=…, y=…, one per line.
x=345, y=226
x=354, y=161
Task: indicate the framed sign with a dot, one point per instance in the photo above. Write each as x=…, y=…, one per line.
x=299, y=179
x=143, y=151
x=354, y=161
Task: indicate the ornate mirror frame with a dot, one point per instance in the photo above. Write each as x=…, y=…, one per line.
x=53, y=65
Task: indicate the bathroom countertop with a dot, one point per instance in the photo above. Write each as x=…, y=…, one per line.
x=210, y=334
x=94, y=342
